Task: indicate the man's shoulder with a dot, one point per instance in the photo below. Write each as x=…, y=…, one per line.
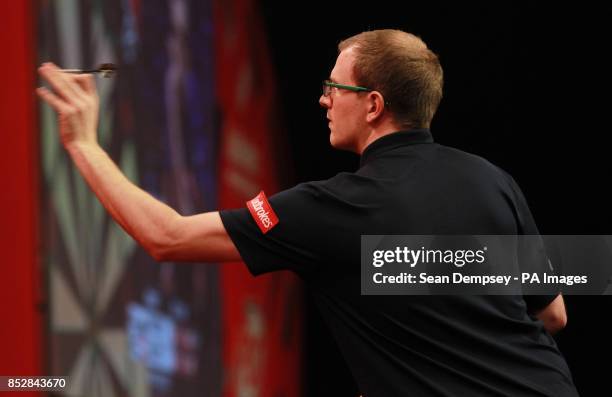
x=453, y=154
x=345, y=189
x=338, y=183
x=461, y=161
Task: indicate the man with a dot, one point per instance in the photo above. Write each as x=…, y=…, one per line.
x=381, y=96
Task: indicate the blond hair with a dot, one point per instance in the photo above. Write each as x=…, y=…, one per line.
x=401, y=67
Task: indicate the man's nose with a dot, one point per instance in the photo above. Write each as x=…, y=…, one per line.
x=325, y=101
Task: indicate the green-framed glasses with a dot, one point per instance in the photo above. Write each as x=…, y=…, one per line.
x=328, y=85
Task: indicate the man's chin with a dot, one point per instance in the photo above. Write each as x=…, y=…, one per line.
x=339, y=144
x=333, y=140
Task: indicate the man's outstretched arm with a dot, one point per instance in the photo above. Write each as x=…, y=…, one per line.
x=161, y=231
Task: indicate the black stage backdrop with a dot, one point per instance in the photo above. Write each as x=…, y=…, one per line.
x=524, y=88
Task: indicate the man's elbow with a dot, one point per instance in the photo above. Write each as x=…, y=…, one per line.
x=167, y=249
x=158, y=254
x=197, y=238
x=158, y=250
x=162, y=246
x=555, y=322
x=554, y=315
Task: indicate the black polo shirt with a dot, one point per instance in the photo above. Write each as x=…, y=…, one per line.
x=409, y=345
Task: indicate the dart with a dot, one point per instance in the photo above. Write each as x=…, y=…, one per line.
x=106, y=70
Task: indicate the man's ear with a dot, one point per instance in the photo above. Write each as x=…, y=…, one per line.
x=376, y=106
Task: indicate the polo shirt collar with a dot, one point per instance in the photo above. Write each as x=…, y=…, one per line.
x=395, y=140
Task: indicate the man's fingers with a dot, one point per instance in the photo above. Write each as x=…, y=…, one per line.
x=62, y=85
x=56, y=103
x=87, y=83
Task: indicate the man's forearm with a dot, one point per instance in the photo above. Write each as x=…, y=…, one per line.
x=145, y=218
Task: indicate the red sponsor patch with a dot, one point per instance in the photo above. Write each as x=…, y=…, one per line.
x=262, y=212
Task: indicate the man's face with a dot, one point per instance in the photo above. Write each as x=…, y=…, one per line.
x=346, y=109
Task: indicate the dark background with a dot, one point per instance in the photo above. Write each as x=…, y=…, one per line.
x=524, y=88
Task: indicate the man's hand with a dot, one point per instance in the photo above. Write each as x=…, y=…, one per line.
x=76, y=102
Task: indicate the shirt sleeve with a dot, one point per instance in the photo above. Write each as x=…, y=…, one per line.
x=311, y=225
x=535, y=303
x=536, y=255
